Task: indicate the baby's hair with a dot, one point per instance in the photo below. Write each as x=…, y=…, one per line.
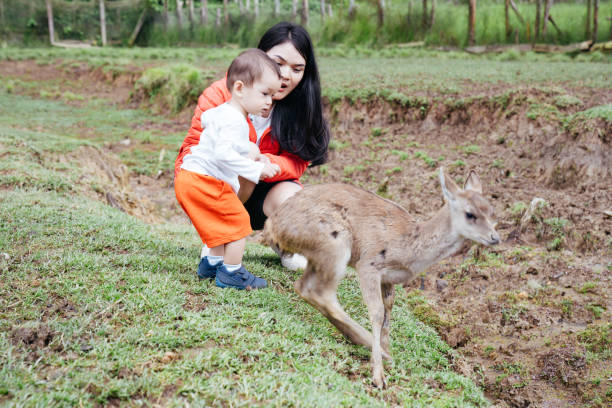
x=249, y=66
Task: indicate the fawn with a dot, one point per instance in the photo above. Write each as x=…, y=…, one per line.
x=335, y=225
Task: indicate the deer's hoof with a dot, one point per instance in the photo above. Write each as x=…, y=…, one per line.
x=379, y=380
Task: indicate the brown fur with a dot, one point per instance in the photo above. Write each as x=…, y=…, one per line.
x=336, y=225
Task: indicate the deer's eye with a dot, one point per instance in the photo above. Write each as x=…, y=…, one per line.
x=470, y=216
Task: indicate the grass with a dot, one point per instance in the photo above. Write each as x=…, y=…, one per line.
x=95, y=123
x=101, y=308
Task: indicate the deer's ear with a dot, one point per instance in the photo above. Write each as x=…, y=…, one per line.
x=449, y=187
x=473, y=183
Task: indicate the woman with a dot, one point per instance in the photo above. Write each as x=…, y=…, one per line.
x=293, y=135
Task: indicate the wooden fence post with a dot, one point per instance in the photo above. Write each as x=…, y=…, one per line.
x=587, y=28
x=546, y=15
x=595, y=19
x=472, y=22
x=507, y=17
x=50, y=21
x=139, y=25
x=103, y=23
x=538, y=20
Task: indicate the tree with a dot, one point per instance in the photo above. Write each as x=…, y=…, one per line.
x=595, y=18
x=587, y=30
x=380, y=12
x=546, y=16
x=322, y=10
x=139, y=24
x=507, y=18
x=304, y=13
x=538, y=20
x=204, y=12
x=472, y=22
x=352, y=10
x=2, y=22
x=424, y=19
x=102, y=22
x=225, y=12
x=191, y=14
x=50, y=22
x=165, y=14
x=179, y=13
x=294, y=4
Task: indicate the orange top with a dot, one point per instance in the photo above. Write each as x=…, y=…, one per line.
x=292, y=167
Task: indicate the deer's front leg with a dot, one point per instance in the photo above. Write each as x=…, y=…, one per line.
x=369, y=280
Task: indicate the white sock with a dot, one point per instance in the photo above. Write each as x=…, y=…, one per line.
x=214, y=260
x=232, y=268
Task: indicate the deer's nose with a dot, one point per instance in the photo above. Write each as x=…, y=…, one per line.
x=494, y=239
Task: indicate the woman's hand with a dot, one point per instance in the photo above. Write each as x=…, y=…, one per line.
x=269, y=170
x=262, y=158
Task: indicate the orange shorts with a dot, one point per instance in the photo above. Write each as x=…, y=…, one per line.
x=213, y=207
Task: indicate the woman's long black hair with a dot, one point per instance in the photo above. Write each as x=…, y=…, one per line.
x=298, y=124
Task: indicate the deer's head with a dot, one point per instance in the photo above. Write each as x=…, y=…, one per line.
x=471, y=213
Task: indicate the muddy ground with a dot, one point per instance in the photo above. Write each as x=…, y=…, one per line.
x=530, y=318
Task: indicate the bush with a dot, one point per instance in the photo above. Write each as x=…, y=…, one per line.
x=171, y=87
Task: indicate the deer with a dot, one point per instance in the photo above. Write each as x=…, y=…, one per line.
x=336, y=225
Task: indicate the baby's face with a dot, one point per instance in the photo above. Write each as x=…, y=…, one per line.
x=257, y=99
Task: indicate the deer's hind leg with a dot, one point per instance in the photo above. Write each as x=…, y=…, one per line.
x=318, y=286
x=388, y=297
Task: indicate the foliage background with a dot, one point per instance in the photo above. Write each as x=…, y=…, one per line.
x=24, y=22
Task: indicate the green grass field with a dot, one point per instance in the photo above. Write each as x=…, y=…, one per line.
x=101, y=308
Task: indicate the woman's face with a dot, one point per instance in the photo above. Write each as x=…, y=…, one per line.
x=291, y=64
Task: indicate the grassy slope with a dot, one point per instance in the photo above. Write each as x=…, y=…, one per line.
x=94, y=276
x=126, y=319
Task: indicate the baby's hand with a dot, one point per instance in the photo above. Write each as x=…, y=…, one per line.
x=269, y=170
x=262, y=158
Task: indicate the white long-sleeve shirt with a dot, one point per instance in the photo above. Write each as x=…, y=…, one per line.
x=223, y=148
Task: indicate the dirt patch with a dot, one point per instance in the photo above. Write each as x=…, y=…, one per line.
x=519, y=313
x=32, y=339
x=37, y=336
x=73, y=79
x=105, y=177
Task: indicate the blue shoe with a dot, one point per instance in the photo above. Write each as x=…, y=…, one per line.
x=241, y=279
x=206, y=270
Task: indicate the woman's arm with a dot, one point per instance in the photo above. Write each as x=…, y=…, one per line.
x=291, y=166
